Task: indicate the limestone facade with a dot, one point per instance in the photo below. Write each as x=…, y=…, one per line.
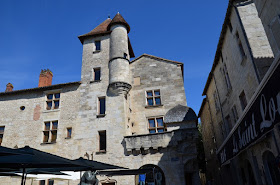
x=242, y=65
x=125, y=87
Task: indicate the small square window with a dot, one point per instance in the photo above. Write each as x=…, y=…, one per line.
x=97, y=45
x=96, y=74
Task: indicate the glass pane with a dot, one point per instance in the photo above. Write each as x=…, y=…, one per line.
x=42, y=182
x=97, y=45
x=158, y=102
x=97, y=74
x=46, y=137
x=159, y=122
x=54, y=136
x=57, y=95
x=47, y=126
x=102, y=141
x=152, y=123
x=102, y=106
x=54, y=125
x=50, y=96
x=56, y=104
x=157, y=93
x=2, y=129
x=49, y=105
x=51, y=182
x=69, y=132
x=160, y=130
x=152, y=131
x=150, y=101
x=149, y=93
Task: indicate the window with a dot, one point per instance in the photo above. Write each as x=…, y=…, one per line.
x=50, y=131
x=242, y=52
x=234, y=113
x=69, y=132
x=53, y=101
x=97, y=45
x=153, y=97
x=228, y=124
x=243, y=100
x=226, y=76
x=101, y=106
x=156, y=125
x=102, y=141
x=125, y=55
x=216, y=99
x=2, y=128
x=96, y=74
x=43, y=182
x=230, y=26
x=275, y=29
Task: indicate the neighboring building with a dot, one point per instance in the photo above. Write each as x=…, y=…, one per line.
x=240, y=114
x=127, y=113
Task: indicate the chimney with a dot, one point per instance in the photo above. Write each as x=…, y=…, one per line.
x=45, y=78
x=9, y=87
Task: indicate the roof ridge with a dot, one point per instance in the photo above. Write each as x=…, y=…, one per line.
x=152, y=56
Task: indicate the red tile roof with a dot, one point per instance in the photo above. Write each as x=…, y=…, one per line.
x=101, y=29
x=118, y=19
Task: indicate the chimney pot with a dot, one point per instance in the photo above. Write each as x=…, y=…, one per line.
x=9, y=87
x=45, y=78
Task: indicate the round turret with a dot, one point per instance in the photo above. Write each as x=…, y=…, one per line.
x=119, y=77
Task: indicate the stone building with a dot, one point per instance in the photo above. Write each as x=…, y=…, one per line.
x=130, y=113
x=240, y=122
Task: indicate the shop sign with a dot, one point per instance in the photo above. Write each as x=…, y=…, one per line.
x=261, y=118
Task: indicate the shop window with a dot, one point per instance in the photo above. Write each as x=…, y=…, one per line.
x=153, y=98
x=50, y=132
x=156, y=125
x=53, y=100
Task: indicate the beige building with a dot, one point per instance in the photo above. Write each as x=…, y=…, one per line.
x=239, y=112
x=130, y=113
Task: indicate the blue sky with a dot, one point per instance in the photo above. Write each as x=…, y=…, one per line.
x=40, y=34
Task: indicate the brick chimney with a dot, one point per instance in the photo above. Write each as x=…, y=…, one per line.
x=9, y=87
x=45, y=78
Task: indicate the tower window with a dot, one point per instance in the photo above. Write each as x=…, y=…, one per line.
x=2, y=128
x=96, y=74
x=97, y=45
x=125, y=55
x=102, y=141
x=101, y=105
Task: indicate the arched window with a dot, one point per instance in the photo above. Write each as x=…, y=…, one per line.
x=155, y=177
x=271, y=168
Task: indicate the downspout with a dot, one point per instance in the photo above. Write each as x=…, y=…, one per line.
x=247, y=42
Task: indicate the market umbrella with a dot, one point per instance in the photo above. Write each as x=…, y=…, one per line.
x=4, y=151
x=27, y=157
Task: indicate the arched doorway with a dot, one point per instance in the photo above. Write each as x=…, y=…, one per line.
x=271, y=168
x=155, y=177
x=190, y=169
